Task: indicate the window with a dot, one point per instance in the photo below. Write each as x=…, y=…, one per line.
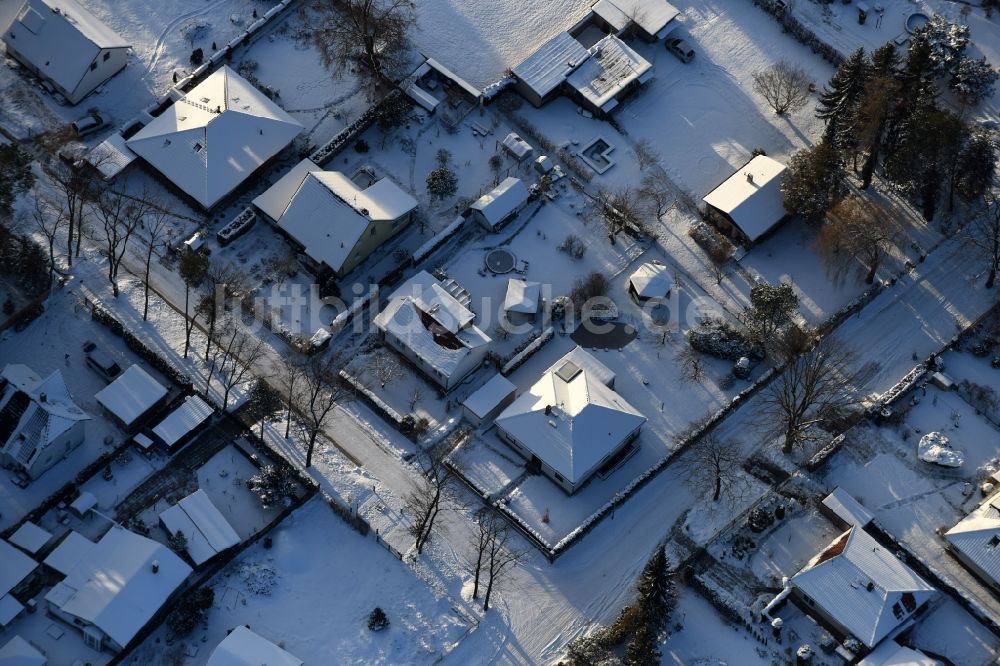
x=558, y=476
x=107, y=55
x=93, y=65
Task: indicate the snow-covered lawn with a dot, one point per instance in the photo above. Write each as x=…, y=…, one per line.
x=948, y=630
x=320, y=573
x=788, y=548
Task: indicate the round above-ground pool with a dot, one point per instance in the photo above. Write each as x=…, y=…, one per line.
x=915, y=21
x=500, y=261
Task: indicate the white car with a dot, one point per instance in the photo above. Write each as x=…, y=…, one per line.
x=680, y=48
x=88, y=124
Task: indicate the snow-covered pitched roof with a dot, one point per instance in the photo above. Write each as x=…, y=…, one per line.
x=15, y=566
x=652, y=280
x=207, y=531
x=113, y=585
x=847, y=508
x=653, y=16
x=522, y=296
x=10, y=608
x=328, y=213
x=545, y=69
x=891, y=653
x=517, y=146
x=60, y=38
x=70, y=551
x=178, y=423
x=34, y=413
x=611, y=67
x=19, y=652
x=489, y=395
x=977, y=537
x=131, y=395
x=752, y=196
x=243, y=647
x=863, y=586
x=111, y=156
x=30, y=537
x=274, y=200
x=213, y=138
x=586, y=422
x=502, y=200
x=431, y=323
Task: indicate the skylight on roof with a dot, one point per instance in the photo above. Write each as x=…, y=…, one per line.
x=568, y=371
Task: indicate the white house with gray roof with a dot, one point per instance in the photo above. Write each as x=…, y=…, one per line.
x=975, y=540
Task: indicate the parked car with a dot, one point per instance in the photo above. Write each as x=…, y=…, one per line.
x=88, y=124
x=680, y=48
x=103, y=364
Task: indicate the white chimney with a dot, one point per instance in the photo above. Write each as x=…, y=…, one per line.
x=155, y=566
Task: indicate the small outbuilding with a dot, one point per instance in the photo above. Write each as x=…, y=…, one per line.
x=17, y=571
x=517, y=147
x=612, y=72
x=30, y=538
x=132, y=398
x=490, y=399
x=206, y=531
x=498, y=207
x=183, y=424
x=522, y=301
x=649, y=19
x=651, y=281
x=748, y=205
x=843, y=509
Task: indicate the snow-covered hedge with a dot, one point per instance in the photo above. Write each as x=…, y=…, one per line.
x=438, y=239
x=341, y=320
x=351, y=132
x=376, y=402
x=796, y=29
x=525, y=351
x=236, y=227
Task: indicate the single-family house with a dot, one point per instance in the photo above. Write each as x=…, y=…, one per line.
x=17, y=571
x=651, y=281
x=611, y=73
x=571, y=422
x=649, y=19
x=181, y=425
x=486, y=402
x=432, y=326
x=116, y=587
x=540, y=76
x=748, y=205
x=216, y=136
x=132, y=398
x=500, y=205
x=975, y=541
x=62, y=43
x=891, y=653
x=19, y=652
x=39, y=422
x=336, y=222
x=859, y=588
x=243, y=647
x=206, y=531
x=523, y=300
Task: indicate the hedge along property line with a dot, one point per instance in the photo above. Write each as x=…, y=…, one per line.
x=438, y=239
x=800, y=32
x=526, y=350
x=376, y=403
x=325, y=152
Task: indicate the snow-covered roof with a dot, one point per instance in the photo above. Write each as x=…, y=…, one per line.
x=113, y=586
x=15, y=566
x=611, y=67
x=652, y=280
x=977, y=537
x=653, y=16
x=863, y=586
x=213, y=138
x=431, y=323
x=19, y=652
x=545, y=69
x=34, y=412
x=30, y=537
x=489, y=395
x=274, y=200
x=207, y=531
x=10, y=608
x=502, y=200
x=522, y=296
x=891, y=653
x=586, y=422
x=111, y=156
x=70, y=551
x=131, y=395
x=84, y=502
x=328, y=213
x=61, y=39
x=243, y=647
x=847, y=508
x=517, y=146
x=192, y=413
x=752, y=196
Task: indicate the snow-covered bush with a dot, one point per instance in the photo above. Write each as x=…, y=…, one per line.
x=377, y=620
x=974, y=80
x=947, y=42
x=719, y=339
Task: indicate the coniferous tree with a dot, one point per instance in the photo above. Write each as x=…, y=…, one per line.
x=813, y=182
x=657, y=595
x=840, y=98
x=642, y=649
x=878, y=104
x=977, y=164
x=926, y=156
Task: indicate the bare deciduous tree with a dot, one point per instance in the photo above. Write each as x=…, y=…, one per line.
x=502, y=553
x=692, y=364
x=432, y=490
x=74, y=191
x=322, y=390
x=856, y=230
x=784, y=86
x=715, y=463
x=983, y=233
x=645, y=154
x=238, y=350
x=372, y=32
x=46, y=220
x=619, y=210
x=192, y=268
x=818, y=386
x=154, y=228
x=292, y=370
x=657, y=192
x=118, y=215
x=383, y=366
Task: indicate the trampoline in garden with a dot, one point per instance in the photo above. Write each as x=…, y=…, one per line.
x=915, y=21
x=500, y=261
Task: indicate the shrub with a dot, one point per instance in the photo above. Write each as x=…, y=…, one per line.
x=590, y=286
x=190, y=610
x=197, y=57
x=377, y=619
x=361, y=146
x=573, y=246
x=719, y=339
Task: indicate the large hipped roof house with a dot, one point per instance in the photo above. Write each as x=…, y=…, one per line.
x=39, y=422
x=215, y=136
x=749, y=204
x=571, y=421
x=336, y=222
x=63, y=43
x=860, y=588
